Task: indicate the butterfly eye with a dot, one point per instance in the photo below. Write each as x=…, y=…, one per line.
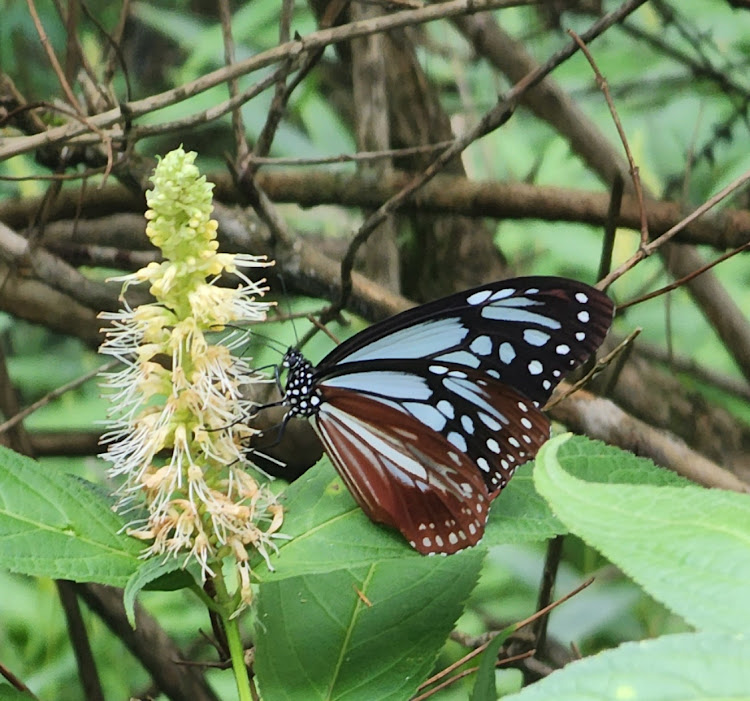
x=427, y=415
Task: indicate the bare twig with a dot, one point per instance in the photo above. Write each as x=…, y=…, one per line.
x=149, y=644
x=238, y=125
x=79, y=638
x=51, y=56
x=610, y=226
x=601, y=81
x=683, y=280
x=359, y=157
x=472, y=670
x=280, y=97
x=648, y=249
x=55, y=393
x=565, y=390
x=526, y=621
x=736, y=387
x=14, y=681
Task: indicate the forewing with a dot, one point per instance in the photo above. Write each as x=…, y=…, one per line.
x=402, y=473
x=527, y=332
x=491, y=424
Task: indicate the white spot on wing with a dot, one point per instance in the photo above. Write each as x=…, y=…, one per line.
x=535, y=367
x=562, y=349
x=460, y=358
x=458, y=440
x=446, y=408
x=504, y=313
x=502, y=294
x=507, y=353
x=483, y=464
x=534, y=337
x=479, y=297
x=427, y=414
x=583, y=317
x=489, y=422
x=582, y=297
x=468, y=424
x=481, y=345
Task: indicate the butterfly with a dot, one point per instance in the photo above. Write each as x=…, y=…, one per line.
x=427, y=415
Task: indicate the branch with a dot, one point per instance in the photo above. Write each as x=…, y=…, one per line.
x=446, y=194
x=39, y=303
x=18, y=254
x=149, y=643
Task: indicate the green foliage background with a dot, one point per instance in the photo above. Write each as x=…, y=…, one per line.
x=665, y=110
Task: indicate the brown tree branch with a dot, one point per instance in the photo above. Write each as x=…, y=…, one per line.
x=156, y=651
x=447, y=194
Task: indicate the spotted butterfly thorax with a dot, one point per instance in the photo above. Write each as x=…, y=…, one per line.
x=427, y=415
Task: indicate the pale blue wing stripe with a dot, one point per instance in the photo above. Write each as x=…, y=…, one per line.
x=417, y=341
x=496, y=312
x=388, y=383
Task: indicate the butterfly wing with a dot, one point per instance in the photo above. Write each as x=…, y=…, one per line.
x=427, y=467
x=527, y=332
x=403, y=475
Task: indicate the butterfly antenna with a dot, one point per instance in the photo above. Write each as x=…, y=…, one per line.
x=272, y=343
x=285, y=292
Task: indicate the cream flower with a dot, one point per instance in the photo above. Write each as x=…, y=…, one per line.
x=176, y=425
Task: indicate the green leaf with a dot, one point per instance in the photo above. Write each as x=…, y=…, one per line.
x=520, y=514
x=484, y=686
x=156, y=574
x=594, y=461
x=329, y=531
x=687, y=546
x=56, y=525
x=684, y=667
x=368, y=632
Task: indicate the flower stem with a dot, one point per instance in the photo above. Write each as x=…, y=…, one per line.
x=232, y=630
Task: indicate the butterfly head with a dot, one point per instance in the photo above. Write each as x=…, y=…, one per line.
x=300, y=394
